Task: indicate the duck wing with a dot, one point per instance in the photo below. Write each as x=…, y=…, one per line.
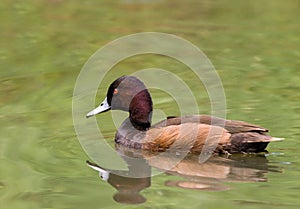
x=232, y=126
x=185, y=137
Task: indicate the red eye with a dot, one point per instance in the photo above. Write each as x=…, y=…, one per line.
x=115, y=91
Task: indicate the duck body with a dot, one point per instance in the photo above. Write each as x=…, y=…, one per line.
x=193, y=135
x=189, y=134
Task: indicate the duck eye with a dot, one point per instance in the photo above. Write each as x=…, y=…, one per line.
x=115, y=91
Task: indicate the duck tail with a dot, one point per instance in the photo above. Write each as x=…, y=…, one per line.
x=275, y=139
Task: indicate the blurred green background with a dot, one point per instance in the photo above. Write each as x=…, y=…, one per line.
x=254, y=46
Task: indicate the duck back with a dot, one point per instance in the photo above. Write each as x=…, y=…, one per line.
x=232, y=126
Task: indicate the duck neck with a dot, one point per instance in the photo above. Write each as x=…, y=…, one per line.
x=140, y=110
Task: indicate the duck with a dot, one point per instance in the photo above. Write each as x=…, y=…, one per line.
x=190, y=134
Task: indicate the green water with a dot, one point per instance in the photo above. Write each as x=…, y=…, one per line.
x=253, y=45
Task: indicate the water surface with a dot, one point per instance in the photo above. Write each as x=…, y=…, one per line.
x=253, y=45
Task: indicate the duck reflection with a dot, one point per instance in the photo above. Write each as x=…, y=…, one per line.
x=208, y=176
x=128, y=187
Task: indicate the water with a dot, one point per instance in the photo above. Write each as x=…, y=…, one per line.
x=253, y=45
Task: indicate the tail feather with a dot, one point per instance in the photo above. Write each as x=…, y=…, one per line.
x=250, y=142
x=275, y=139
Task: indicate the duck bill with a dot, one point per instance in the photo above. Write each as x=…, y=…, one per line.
x=103, y=107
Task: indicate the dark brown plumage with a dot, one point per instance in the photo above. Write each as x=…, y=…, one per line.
x=187, y=134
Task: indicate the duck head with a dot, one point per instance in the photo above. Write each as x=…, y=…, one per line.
x=129, y=94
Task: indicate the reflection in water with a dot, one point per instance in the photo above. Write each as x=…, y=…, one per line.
x=128, y=187
x=206, y=176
